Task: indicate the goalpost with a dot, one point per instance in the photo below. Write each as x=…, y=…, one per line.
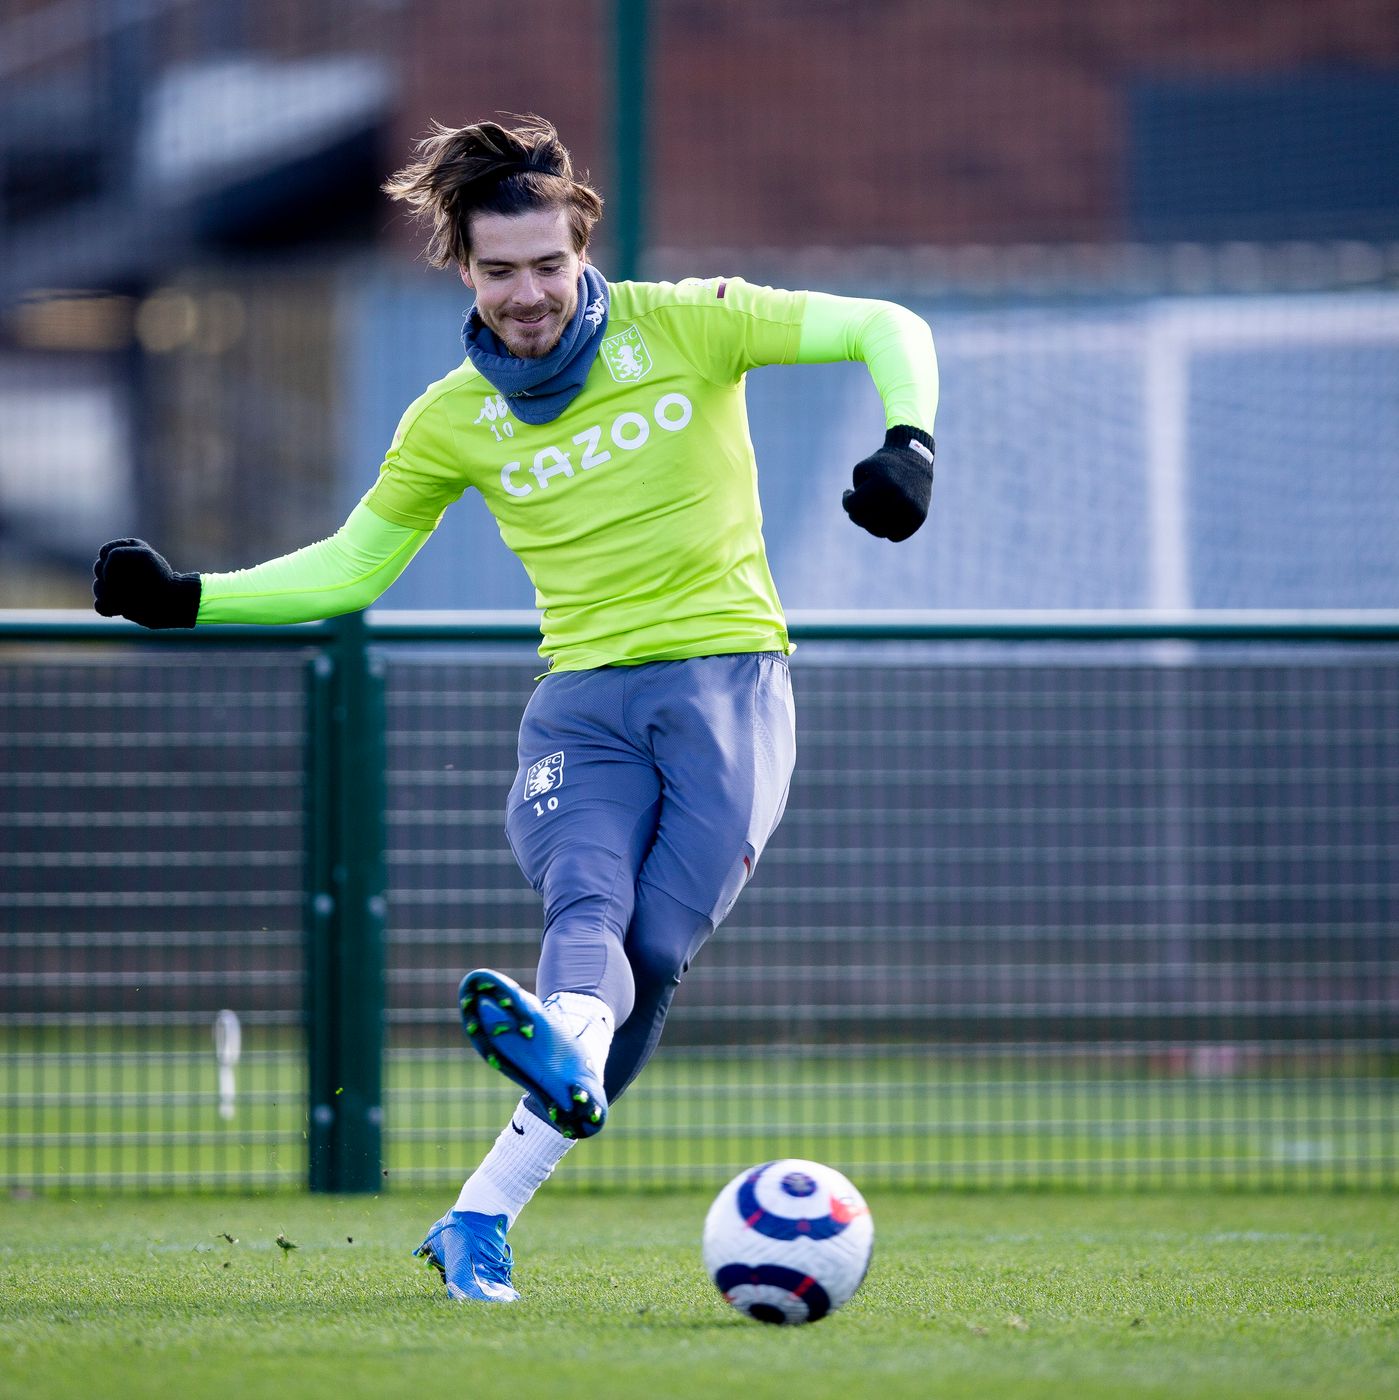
x=1174, y=333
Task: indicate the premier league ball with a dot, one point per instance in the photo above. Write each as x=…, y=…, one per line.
x=788, y=1241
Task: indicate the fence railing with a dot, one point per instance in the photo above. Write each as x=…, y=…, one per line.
x=1059, y=897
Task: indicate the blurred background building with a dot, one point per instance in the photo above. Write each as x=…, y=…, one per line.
x=1158, y=242
x=1117, y=906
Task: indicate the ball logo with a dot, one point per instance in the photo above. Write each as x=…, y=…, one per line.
x=783, y=1227
x=844, y=1211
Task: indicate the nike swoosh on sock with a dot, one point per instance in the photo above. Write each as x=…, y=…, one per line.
x=517, y=1127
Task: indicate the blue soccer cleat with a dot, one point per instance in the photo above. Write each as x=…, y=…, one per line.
x=469, y=1251
x=514, y=1032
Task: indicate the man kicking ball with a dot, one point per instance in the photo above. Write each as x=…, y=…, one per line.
x=605, y=426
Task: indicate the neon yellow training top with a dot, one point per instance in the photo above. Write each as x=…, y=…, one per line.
x=635, y=512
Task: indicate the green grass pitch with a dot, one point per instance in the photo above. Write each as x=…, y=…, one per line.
x=971, y=1294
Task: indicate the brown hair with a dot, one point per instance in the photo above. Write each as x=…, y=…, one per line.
x=489, y=169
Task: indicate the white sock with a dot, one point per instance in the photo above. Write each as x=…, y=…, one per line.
x=521, y=1161
x=591, y=1021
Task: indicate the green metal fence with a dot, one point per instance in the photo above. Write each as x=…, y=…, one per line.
x=1072, y=898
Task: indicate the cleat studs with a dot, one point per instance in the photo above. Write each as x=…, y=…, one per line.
x=527, y=1032
x=595, y=1116
x=465, y=1002
x=493, y=1061
x=553, y=1115
x=499, y=1030
x=568, y=1132
x=504, y=1002
x=472, y=1027
x=580, y=1096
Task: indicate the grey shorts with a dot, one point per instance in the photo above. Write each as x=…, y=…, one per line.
x=672, y=773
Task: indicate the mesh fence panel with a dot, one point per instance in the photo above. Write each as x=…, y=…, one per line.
x=456, y=899
x=1068, y=913
x=151, y=819
x=1034, y=915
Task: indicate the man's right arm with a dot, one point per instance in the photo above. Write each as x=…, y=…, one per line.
x=420, y=477
x=341, y=574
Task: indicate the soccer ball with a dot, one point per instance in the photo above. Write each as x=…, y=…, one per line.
x=788, y=1241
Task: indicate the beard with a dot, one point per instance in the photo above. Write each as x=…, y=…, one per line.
x=532, y=339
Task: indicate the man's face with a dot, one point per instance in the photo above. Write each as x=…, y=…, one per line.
x=525, y=273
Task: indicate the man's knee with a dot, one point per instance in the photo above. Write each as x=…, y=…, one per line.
x=596, y=966
x=587, y=887
x=664, y=937
x=586, y=913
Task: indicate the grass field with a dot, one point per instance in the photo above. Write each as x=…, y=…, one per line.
x=972, y=1294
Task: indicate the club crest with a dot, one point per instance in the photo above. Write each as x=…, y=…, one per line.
x=626, y=356
x=544, y=776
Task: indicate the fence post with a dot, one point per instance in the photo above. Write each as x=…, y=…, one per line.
x=345, y=912
x=631, y=121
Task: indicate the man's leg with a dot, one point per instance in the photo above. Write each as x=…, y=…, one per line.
x=581, y=817
x=723, y=733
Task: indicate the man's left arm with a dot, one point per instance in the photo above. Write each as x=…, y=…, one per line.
x=893, y=486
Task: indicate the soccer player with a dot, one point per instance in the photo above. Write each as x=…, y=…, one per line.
x=605, y=426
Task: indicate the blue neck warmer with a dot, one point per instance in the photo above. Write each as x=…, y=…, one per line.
x=537, y=391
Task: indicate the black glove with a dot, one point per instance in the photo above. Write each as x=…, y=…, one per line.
x=131, y=580
x=894, y=485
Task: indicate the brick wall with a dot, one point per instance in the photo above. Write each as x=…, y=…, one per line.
x=892, y=121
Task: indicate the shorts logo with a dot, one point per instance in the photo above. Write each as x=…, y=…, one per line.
x=626, y=356
x=544, y=776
